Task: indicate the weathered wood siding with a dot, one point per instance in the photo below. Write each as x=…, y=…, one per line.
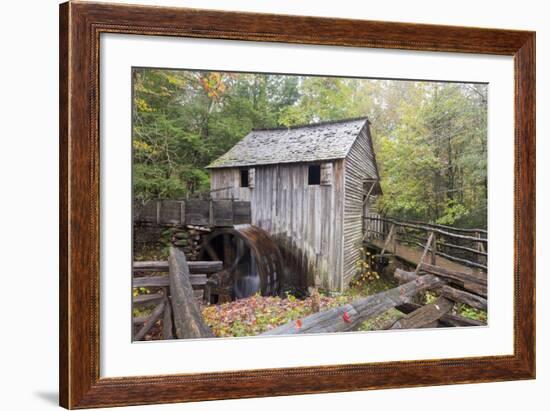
x=226, y=184
x=359, y=166
x=216, y=212
x=306, y=221
x=319, y=228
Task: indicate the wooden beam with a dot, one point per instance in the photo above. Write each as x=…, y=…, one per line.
x=447, y=291
x=188, y=319
x=463, y=297
x=453, y=320
x=139, y=320
x=146, y=299
x=425, y=252
x=462, y=260
x=154, y=266
x=350, y=316
x=463, y=277
x=479, y=251
x=195, y=267
x=373, y=183
x=167, y=323
x=477, y=289
x=150, y=321
x=433, y=248
x=448, y=319
x=424, y=316
x=164, y=281
x=388, y=239
x=436, y=230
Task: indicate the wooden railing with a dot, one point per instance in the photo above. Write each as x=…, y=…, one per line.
x=216, y=213
x=467, y=246
x=451, y=286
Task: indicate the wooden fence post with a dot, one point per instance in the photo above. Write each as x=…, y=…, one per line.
x=425, y=253
x=479, y=247
x=188, y=320
x=393, y=242
x=388, y=239
x=434, y=247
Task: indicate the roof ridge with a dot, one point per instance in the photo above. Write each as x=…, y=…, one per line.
x=320, y=123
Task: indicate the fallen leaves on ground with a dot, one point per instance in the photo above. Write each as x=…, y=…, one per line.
x=255, y=315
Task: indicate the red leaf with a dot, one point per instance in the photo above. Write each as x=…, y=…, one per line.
x=298, y=324
x=346, y=317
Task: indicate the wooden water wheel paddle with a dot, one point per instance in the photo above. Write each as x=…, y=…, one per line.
x=252, y=261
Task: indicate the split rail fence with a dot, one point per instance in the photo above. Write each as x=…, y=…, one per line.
x=451, y=287
x=467, y=247
x=176, y=301
x=175, y=286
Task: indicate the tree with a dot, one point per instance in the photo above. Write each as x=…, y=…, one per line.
x=430, y=138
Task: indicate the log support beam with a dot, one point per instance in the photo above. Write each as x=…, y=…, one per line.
x=446, y=320
x=188, y=321
x=350, y=316
x=426, y=316
x=447, y=291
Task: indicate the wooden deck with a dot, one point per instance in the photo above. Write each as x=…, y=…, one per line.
x=412, y=255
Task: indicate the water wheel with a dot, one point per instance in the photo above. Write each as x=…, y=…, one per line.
x=251, y=259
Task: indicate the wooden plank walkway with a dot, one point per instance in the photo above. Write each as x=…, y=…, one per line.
x=412, y=256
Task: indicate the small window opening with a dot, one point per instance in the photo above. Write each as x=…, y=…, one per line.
x=314, y=175
x=244, y=178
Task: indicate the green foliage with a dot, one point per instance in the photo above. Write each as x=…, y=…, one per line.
x=152, y=252
x=322, y=98
x=183, y=120
x=433, y=158
x=429, y=297
x=453, y=212
x=430, y=138
x=472, y=313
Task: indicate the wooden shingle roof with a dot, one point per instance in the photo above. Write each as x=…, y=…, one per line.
x=314, y=142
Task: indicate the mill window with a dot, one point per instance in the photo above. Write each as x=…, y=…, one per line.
x=314, y=175
x=244, y=178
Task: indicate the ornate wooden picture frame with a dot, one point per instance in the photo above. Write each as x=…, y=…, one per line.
x=81, y=25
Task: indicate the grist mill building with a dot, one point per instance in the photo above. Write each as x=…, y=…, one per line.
x=309, y=187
